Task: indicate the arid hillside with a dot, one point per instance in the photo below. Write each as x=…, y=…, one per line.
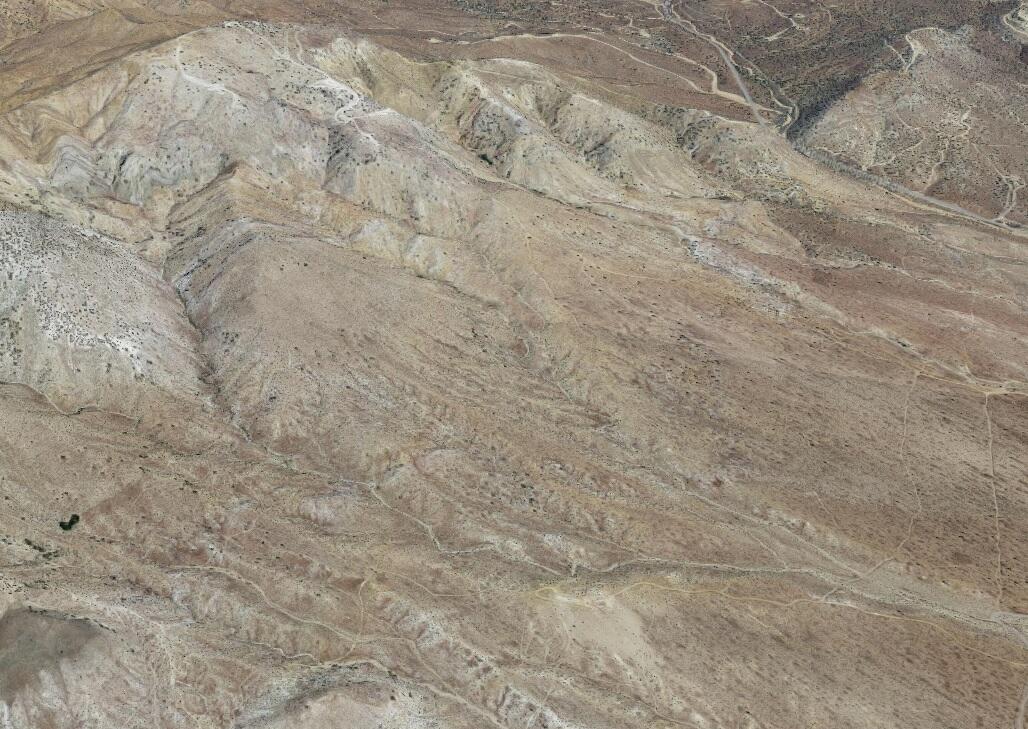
x=512, y=364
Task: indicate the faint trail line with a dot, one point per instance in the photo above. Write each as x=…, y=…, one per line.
x=906, y=474
x=913, y=517
x=995, y=504
x=723, y=592
x=903, y=446
x=347, y=635
x=1022, y=710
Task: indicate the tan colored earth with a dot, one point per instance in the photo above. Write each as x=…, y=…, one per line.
x=495, y=363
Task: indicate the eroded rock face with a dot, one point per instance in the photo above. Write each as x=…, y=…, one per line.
x=483, y=376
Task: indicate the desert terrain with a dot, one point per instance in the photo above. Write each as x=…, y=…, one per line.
x=530, y=365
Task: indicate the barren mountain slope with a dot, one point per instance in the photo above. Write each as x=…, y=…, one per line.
x=933, y=126
x=412, y=366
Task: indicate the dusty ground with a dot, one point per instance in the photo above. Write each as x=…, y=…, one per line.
x=463, y=364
